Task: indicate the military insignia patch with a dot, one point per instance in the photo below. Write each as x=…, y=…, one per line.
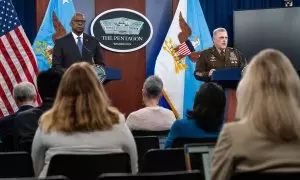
x=212, y=58
x=232, y=56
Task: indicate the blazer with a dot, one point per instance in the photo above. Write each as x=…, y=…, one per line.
x=26, y=124
x=66, y=52
x=241, y=148
x=6, y=128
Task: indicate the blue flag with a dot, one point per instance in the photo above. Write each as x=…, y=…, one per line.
x=198, y=25
x=56, y=24
x=175, y=63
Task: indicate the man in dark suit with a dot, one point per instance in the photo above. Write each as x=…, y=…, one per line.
x=25, y=96
x=76, y=46
x=26, y=122
x=219, y=56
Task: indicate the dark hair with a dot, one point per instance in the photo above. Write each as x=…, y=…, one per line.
x=209, y=105
x=48, y=82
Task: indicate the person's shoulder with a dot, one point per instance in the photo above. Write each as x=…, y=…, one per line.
x=89, y=37
x=232, y=49
x=121, y=118
x=27, y=115
x=232, y=127
x=5, y=118
x=183, y=122
x=167, y=111
x=63, y=38
x=208, y=50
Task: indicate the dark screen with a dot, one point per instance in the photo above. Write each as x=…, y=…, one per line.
x=255, y=30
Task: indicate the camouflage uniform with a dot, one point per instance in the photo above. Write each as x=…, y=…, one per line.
x=212, y=59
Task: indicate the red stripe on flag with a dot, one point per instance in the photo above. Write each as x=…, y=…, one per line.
x=27, y=50
x=12, y=67
x=19, y=58
x=30, y=56
x=5, y=101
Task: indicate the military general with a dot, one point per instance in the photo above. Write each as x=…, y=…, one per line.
x=219, y=56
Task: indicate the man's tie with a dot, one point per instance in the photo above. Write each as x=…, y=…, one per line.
x=79, y=44
x=222, y=53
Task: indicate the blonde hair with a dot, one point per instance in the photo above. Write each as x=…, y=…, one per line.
x=269, y=96
x=81, y=103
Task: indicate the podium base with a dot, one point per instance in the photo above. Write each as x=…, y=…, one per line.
x=230, y=104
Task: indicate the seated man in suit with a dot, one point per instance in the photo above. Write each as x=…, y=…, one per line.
x=219, y=56
x=26, y=122
x=25, y=96
x=76, y=46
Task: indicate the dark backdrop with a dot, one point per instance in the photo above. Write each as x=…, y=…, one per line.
x=277, y=28
x=27, y=15
x=219, y=13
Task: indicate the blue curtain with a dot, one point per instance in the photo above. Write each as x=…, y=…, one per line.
x=27, y=15
x=219, y=13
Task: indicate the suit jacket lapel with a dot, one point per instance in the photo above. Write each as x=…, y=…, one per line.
x=74, y=46
x=85, y=49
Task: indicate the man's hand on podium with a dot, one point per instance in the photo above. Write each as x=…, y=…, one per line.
x=211, y=72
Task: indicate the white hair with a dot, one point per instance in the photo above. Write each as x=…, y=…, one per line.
x=219, y=30
x=24, y=91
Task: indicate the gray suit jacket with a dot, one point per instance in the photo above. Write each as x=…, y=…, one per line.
x=66, y=52
x=241, y=148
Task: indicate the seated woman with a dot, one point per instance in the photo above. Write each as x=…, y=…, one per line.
x=205, y=119
x=267, y=137
x=152, y=117
x=81, y=119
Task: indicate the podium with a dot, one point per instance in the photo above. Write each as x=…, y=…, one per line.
x=228, y=78
x=112, y=74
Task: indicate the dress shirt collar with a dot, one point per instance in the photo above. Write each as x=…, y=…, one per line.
x=75, y=37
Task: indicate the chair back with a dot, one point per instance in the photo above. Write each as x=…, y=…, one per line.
x=144, y=144
x=164, y=160
x=15, y=164
x=180, y=175
x=267, y=175
x=181, y=141
x=88, y=166
x=149, y=133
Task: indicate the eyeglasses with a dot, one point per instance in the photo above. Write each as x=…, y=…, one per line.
x=79, y=21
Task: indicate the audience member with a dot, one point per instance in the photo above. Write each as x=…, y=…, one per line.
x=25, y=96
x=205, y=119
x=152, y=117
x=26, y=123
x=266, y=137
x=81, y=119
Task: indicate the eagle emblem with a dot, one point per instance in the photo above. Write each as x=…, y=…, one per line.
x=45, y=49
x=185, y=48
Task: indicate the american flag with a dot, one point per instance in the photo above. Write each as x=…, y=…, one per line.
x=17, y=61
x=184, y=49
